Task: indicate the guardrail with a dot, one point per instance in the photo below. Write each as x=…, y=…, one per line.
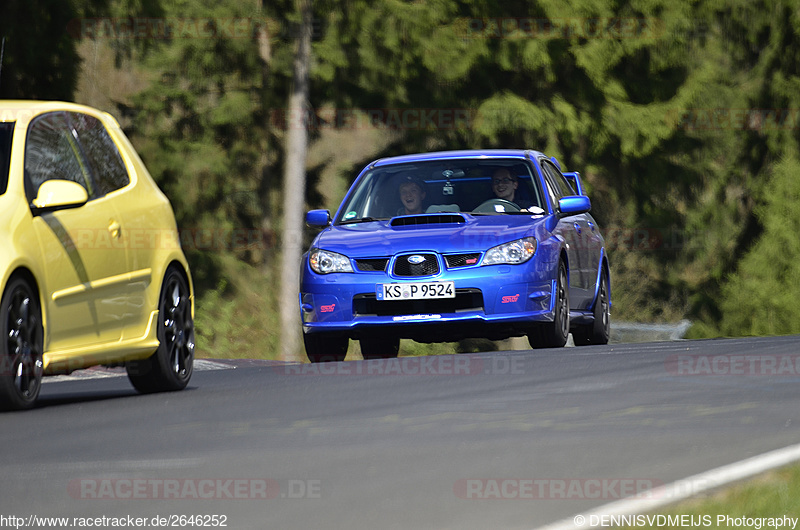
x=621, y=332
x=637, y=332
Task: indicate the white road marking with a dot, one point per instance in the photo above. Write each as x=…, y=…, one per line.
x=680, y=490
x=49, y=469
x=205, y=364
x=99, y=372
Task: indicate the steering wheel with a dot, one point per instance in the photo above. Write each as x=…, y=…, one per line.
x=497, y=206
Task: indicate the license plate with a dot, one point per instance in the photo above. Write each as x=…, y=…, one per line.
x=415, y=291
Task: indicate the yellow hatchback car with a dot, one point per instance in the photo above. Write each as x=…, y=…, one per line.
x=91, y=267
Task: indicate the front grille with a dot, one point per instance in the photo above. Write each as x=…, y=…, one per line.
x=372, y=264
x=461, y=260
x=428, y=265
x=465, y=300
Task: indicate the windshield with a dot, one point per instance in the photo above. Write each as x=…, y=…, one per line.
x=480, y=187
x=6, y=134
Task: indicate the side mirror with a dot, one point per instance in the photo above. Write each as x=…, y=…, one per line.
x=59, y=195
x=574, y=205
x=575, y=179
x=318, y=218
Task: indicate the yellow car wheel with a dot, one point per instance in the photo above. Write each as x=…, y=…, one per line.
x=21, y=366
x=170, y=367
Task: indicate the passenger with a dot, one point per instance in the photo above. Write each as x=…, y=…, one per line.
x=412, y=193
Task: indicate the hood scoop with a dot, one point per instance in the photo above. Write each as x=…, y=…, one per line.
x=428, y=219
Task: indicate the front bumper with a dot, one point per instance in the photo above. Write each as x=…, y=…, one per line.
x=494, y=302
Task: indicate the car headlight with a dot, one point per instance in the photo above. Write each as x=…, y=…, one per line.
x=512, y=253
x=326, y=262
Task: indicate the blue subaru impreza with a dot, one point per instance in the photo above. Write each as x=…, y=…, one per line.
x=438, y=247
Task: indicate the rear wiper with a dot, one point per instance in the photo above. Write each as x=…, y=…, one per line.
x=362, y=220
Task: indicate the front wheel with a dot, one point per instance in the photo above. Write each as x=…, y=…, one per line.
x=323, y=348
x=380, y=347
x=21, y=366
x=554, y=334
x=170, y=367
x=598, y=331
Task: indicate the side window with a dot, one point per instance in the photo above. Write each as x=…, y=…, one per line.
x=52, y=152
x=557, y=184
x=6, y=134
x=101, y=152
x=552, y=187
x=561, y=183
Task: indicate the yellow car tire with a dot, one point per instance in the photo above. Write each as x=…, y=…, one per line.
x=170, y=367
x=21, y=366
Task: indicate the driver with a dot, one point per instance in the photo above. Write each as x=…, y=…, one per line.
x=504, y=185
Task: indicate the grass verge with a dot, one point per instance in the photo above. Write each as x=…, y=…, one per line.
x=750, y=504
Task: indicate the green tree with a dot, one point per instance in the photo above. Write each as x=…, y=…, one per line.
x=47, y=69
x=629, y=93
x=760, y=296
x=206, y=128
x=750, y=155
x=203, y=125
x=40, y=58
x=599, y=85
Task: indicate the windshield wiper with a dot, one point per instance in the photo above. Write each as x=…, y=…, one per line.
x=362, y=220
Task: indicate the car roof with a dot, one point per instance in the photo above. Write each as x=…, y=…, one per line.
x=524, y=154
x=23, y=110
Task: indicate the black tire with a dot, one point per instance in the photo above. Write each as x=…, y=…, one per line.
x=598, y=331
x=324, y=348
x=170, y=367
x=380, y=347
x=554, y=334
x=21, y=366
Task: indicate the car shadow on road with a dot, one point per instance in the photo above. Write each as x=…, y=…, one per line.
x=65, y=396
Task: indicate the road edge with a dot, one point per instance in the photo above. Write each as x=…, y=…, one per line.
x=683, y=489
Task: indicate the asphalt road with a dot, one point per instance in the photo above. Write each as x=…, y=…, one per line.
x=493, y=440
